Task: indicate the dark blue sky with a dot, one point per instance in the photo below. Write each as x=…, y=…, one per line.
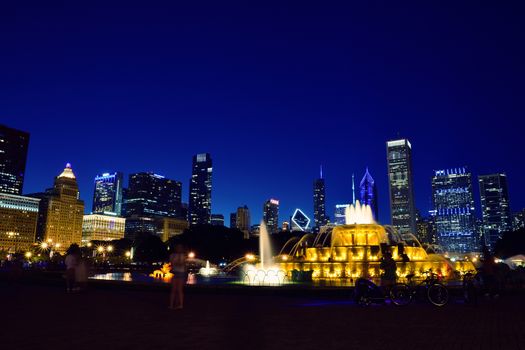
x=270, y=90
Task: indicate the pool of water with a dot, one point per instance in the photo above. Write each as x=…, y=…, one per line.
x=139, y=277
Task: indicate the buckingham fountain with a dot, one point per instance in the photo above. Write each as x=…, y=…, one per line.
x=345, y=253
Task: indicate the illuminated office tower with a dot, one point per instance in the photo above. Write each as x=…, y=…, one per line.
x=150, y=194
x=217, y=220
x=13, y=155
x=368, y=193
x=18, y=222
x=271, y=215
x=243, y=220
x=320, y=218
x=401, y=188
x=99, y=227
x=340, y=214
x=61, y=212
x=453, y=210
x=497, y=218
x=200, y=190
x=107, y=197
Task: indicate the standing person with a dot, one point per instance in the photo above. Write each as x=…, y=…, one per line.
x=81, y=274
x=71, y=263
x=389, y=266
x=178, y=269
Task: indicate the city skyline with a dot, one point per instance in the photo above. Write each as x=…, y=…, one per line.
x=330, y=209
x=159, y=98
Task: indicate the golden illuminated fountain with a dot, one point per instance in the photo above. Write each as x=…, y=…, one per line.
x=355, y=249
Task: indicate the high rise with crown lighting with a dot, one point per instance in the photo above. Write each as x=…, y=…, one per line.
x=497, y=218
x=401, y=187
x=368, y=193
x=61, y=212
x=200, y=190
x=13, y=155
x=107, y=197
x=320, y=217
x=453, y=210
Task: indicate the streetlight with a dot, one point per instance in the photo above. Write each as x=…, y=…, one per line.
x=191, y=255
x=28, y=255
x=109, y=248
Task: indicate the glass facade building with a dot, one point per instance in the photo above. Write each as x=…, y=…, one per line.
x=243, y=220
x=339, y=214
x=320, y=217
x=200, y=190
x=495, y=208
x=368, y=193
x=271, y=215
x=453, y=210
x=107, y=197
x=13, y=155
x=150, y=194
x=401, y=187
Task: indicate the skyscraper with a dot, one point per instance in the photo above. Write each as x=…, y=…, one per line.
x=454, y=210
x=368, y=193
x=401, y=188
x=13, y=155
x=497, y=218
x=61, y=211
x=200, y=190
x=271, y=215
x=107, y=196
x=150, y=194
x=243, y=220
x=320, y=218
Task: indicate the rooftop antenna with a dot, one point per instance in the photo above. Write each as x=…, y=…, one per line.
x=353, y=189
x=321, y=171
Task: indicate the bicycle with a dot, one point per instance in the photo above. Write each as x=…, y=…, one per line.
x=436, y=293
x=471, y=284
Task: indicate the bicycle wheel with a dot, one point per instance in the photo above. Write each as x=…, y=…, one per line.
x=400, y=294
x=437, y=294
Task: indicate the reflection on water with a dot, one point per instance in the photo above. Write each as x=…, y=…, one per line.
x=144, y=278
x=126, y=277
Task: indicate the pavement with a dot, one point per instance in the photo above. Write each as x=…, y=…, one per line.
x=45, y=317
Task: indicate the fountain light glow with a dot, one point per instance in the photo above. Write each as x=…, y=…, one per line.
x=358, y=214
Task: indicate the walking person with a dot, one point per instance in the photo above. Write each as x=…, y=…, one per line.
x=178, y=270
x=71, y=262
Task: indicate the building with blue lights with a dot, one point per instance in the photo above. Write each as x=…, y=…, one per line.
x=453, y=210
x=13, y=155
x=495, y=207
x=200, y=190
x=368, y=193
x=339, y=214
x=401, y=186
x=107, y=197
x=300, y=222
x=18, y=224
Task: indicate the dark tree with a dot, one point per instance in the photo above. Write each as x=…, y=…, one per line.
x=149, y=248
x=510, y=244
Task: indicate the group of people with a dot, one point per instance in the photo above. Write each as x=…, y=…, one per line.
x=76, y=270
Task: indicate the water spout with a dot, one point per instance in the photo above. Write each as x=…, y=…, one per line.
x=359, y=214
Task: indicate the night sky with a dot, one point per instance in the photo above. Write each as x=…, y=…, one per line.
x=271, y=91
